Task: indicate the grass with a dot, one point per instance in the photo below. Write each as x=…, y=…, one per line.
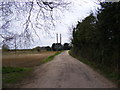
x=101, y=69
x=11, y=75
x=51, y=57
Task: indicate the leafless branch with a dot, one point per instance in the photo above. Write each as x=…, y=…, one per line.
x=43, y=18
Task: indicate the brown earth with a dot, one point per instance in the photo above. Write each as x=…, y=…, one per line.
x=24, y=60
x=66, y=72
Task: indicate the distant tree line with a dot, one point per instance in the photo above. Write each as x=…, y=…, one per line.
x=5, y=48
x=97, y=38
x=59, y=46
x=55, y=47
x=46, y=48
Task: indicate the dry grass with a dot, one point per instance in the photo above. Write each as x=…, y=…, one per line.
x=25, y=60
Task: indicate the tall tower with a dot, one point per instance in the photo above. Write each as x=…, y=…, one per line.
x=60, y=39
x=57, y=37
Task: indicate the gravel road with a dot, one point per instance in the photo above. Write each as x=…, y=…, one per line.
x=66, y=72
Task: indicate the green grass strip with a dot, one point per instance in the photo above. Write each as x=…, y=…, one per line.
x=51, y=57
x=11, y=75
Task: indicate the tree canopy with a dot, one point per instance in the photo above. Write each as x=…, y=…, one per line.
x=97, y=38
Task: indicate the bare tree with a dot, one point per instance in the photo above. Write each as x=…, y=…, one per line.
x=36, y=14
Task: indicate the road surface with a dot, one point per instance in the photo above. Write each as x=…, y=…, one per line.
x=66, y=72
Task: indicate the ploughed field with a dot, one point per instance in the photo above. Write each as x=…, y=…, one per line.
x=24, y=59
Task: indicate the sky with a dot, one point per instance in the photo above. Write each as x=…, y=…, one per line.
x=66, y=20
x=78, y=11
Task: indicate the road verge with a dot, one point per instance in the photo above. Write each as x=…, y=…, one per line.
x=12, y=76
x=109, y=75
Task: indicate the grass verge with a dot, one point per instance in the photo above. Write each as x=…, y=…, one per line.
x=11, y=75
x=51, y=57
x=112, y=76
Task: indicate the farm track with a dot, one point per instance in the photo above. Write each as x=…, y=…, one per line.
x=66, y=72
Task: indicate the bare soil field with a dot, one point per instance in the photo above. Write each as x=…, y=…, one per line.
x=25, y=60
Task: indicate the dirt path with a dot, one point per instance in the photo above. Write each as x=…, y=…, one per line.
x=66, y=72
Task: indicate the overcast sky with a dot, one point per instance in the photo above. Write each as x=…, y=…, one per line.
x=79, y=10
